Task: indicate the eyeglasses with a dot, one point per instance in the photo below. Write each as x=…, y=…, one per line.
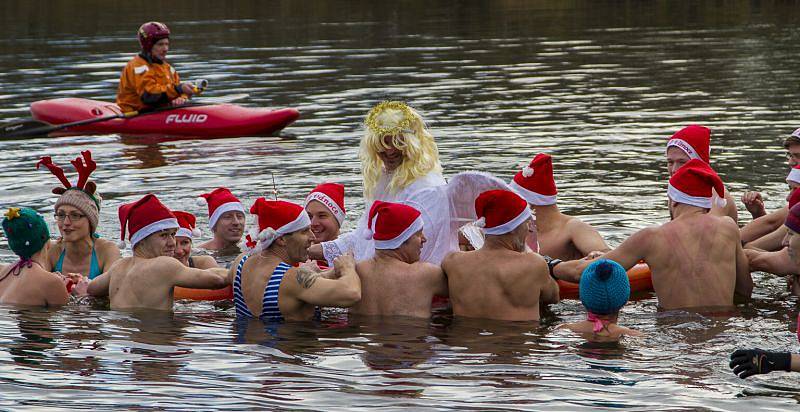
x=73, y=217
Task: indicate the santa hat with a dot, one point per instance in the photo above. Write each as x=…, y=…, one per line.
x=794, y=175
x=219, y=201
x=694, y=140
x=695, y=183
x=331, y=195
x=275, y=219
x=188, y=227
x=391, y=224
x=535, y=182
x=501, y=211
x=143, y=218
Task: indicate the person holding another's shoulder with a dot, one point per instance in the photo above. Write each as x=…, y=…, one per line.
x=501, y=280
x=147, y=279
x=268, y=285
x=27, y=282
x=394, y=282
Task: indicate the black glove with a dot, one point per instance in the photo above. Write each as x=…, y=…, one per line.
x=749, y=362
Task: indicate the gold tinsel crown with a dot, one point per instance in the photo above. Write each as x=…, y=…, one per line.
x=405, y=124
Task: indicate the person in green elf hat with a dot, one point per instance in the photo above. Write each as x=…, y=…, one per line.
x=28, y=282
x=77, y=214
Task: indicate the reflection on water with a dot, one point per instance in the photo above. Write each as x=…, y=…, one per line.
x=599, y=85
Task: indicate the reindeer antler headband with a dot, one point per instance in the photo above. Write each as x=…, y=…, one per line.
x=85, y=166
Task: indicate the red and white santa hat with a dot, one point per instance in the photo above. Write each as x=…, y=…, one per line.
x=535, y=182
x=501, y=211
x=391, y=224
x=143, y=218
x=219, y=201
x=695, y=183
x=794, y=175
x=331, y=195
x=695, y=140
x=188, y=227
x=275, y=219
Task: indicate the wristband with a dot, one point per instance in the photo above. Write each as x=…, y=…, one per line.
x=551, y=265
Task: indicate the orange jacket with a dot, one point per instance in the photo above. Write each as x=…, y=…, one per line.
x=147, y=84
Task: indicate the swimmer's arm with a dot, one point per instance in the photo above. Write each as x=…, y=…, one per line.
x=744, y=282
x=549, y=292
x=194, y=278
x=585, y=238
x=770, y=242
x=730, y=207
x=310, y=287
x=204, y=262
x=438, y=279
x=55, y=294
x=99, y=286
x=763, y=225
x=232, y=269
x=777, y=263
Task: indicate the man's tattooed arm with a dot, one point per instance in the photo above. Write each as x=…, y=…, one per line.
x=306, y=277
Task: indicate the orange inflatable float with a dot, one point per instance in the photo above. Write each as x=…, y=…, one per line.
x=225, y=293
x=639, y=276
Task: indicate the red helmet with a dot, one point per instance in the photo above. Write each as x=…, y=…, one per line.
x=150, y=33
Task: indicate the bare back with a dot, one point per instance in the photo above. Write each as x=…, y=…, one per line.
x=499, y=284
x=391, y=287
x=693, y=260
x=33, y=286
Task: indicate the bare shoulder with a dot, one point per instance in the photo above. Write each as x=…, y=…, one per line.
x=574, y=223
x=204, y=262
x=427, y=269
x=164, y=263
x=452, y=257
x=105, y=246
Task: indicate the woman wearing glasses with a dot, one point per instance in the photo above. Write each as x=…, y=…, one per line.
x=77, y=212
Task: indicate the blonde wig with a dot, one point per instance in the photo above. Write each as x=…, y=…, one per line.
x=409, y=135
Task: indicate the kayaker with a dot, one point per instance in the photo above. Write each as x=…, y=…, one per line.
x=696, y=259
x=325, y=208
x=183, y=242
x=266, y=282
x=225, y=219
x=786, y=261
x=29, y=282
x=559, y=236
x=693, y=142
x=77, y=214
x=394, y=282
x=604, y=290
x=147, y=279
x=501, y=280
x=399, y=163
x=148, y=81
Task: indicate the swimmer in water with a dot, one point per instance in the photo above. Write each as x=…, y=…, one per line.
x=559, y=236
x=266, y=282
x=503, y=279
x=325, y=208
x=604, y=290
x=147, y=279
x=394, y=282
x=226, y=221
x=28, y=282
x=184, y=239
x=696, y=259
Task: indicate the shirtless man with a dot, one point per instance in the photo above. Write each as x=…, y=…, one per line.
x=560, y=236
x=226, y=221
x=697, y=258
x=27, y=282
x=266, y=283
x=693, y=142
x=394, y=282
x=501, y=280
x=147, y=279
x=787, y=260
x=767, y=232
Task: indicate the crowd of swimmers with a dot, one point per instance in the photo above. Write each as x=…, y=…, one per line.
x=487, y=248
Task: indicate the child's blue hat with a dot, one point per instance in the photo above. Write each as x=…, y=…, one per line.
x=604, y=287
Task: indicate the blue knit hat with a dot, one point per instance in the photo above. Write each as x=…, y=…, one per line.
x=604, y=287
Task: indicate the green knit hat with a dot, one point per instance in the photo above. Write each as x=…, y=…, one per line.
x=26, y=231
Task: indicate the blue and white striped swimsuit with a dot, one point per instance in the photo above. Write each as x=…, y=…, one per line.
x=270, y=310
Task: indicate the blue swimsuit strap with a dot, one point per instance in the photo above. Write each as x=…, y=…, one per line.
x=94, y=265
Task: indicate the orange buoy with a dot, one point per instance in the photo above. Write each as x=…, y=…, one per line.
x=639, y=276
x=225, y=293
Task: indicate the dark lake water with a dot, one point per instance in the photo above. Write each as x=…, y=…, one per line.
x=600, y=85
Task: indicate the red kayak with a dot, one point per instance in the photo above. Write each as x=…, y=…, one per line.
x=205, y=121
